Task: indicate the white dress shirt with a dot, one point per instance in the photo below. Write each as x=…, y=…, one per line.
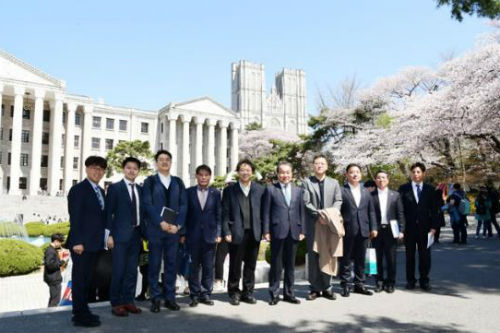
x=356, y=193
x=245, y=189
x=383, y=196
x=414, y=187
x=202, y=196
x=165, y=180
x=137, y=201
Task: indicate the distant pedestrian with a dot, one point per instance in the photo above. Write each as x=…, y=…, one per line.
x=458, y=218
x=52, y=269
x=483, y=215
x=495, y=207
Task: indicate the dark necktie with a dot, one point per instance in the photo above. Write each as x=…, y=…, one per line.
x=419, y=192
x=134, y=206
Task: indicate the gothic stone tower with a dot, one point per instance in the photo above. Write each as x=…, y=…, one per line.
x=284, y=108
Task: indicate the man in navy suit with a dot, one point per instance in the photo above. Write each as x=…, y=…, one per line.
x=163, y=190
x=203, y=231
x=284, y=226
x=242, y=227
x=123, y=217
x=419, y=204
x=388, y=208
x=360, y=224
x=86, y=237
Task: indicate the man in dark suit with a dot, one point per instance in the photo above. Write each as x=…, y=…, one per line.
x=388, y=209
x=320, y=192
x=419, y=204
x=284, y=226
x=203, y=231
x=86, y=237
x=123, y=217
x=242, y=228
x=360, y=224
x=163, y=190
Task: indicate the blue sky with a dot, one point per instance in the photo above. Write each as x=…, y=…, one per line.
x=149, y=53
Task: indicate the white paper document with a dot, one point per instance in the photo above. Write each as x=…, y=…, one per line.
x=394, y=228
x=106, y=236
x=430, y=240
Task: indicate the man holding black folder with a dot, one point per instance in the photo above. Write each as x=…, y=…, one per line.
x=165, y=203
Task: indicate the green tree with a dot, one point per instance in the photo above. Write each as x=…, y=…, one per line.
x=254, y=126
x=137, y=148
x=482, y=8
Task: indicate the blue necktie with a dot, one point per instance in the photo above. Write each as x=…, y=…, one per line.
x=419, y=192
x=99, y=196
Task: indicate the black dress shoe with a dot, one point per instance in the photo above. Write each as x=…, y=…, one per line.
x=206, y=301
x=345, y=292
x=193, y=303
x=248, y=299
x=425, y=286
x=410, y=285
x=379, y=287
x=234, y=300
x=293, y=300
x=155, y=306
x=389, y=288
x=362, y=291
x=312, y=296
x=171, y=305
x=274, y=300
x=329, y=295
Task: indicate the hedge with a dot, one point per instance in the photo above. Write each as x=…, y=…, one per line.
x=35, y=229
x=300, y=258
x=18, y=257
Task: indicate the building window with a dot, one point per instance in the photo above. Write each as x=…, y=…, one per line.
x=10, y=134
x=109, y=144
x=64, y=118
x=24, y=159
x=0, y=157
x=144, y=127
x=46, y=115
x=45, y=138
x=3, y=110
x=23, y=182
x=123, y=125
x=78, y=119
x=161, y=127
x=12, y=111
x=75, y=163
x=77, y=142
x=61, y=182
x=43, y=184
x=75, y=182
x=62, y=162
x=110, y=123
x=26, y=113
x=25, y=136
x=96, y=143
x=8, y=158
x=161, y=145
x=44, y=162
x=63, y=137
x=1, y=133
x=96, y=122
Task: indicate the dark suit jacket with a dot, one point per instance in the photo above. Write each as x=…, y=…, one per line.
x=87, y=219
x=232, y=218
x=278, y=218
x=204, y=223
x=153, y=201
x=424, y=213
x=358, y=219
x=394, y=208
x=119, y=211
x=52, y=266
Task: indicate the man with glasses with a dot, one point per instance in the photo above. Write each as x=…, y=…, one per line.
x=86, y=237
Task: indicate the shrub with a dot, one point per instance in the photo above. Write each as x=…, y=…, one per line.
x=35, y=229
x=18, y=257
x=300, y=258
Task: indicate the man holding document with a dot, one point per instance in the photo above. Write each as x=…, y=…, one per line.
x=165, y=203
x=391, y=222
x=420, y=212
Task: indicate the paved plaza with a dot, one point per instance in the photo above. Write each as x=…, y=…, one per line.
x=465, y=298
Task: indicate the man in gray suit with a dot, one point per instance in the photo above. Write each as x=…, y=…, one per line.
x=320, y=192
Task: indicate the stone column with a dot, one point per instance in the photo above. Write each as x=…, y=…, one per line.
x=69, y=147
x=234, y=146
x=15, y=150
x=172, y=144
x=211, y=144
x=199, y=141
x=36, y=143
x=1, y=169
x=86, y=139
x=186, y=120
x=222, y=163
x=55, y=144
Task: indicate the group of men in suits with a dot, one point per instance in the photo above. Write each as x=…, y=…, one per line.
x=166, y=213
